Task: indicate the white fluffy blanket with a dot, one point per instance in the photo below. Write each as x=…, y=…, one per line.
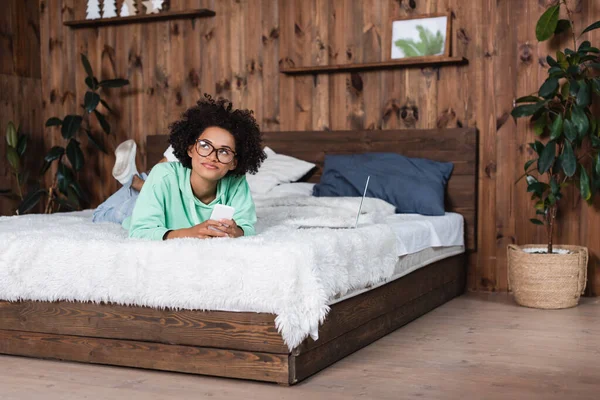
x=286, y=271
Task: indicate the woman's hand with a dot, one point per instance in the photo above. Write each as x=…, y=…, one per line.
x=205, y=230
x=230, y=228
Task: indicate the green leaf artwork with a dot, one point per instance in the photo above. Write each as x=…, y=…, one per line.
x=429, y=44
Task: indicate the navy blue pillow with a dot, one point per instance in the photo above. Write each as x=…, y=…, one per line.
x=413, y=185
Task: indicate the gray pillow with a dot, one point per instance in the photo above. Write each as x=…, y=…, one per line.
x=413, y=185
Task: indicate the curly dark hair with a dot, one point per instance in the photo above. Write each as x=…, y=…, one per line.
x=219, y=113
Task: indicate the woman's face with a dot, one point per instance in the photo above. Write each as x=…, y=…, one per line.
x=213, y=154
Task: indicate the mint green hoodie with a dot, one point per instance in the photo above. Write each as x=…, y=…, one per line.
x=167, y=202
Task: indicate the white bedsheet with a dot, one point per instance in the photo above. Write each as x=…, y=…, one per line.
x=416, y=232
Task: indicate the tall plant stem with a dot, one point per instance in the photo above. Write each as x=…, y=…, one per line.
x=50, y=201
x=570, y=14
x=19, y=186
x=550, y=227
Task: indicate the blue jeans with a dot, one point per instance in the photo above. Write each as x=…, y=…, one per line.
x=118, y=206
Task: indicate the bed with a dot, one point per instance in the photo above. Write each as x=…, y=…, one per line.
x=248, y=345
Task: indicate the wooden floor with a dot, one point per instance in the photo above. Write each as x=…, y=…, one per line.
x=475, y=347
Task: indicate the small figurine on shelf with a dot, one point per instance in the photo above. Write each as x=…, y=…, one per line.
x=153, y=6
x=128, y=8
x=110, y=9
x=93, y=9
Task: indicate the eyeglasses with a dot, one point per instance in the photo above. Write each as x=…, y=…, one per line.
x=224, y=154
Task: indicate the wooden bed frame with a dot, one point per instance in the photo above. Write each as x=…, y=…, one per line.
x=247, y=345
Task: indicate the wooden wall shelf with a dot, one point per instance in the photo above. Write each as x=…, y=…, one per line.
x=140, y=18
x=393, y=64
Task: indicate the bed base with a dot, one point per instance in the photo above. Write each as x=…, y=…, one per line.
x=226, y=344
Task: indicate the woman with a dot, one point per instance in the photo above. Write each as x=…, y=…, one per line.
x=216, y=146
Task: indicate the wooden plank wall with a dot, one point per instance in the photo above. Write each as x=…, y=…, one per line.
x=20, y=85
x=237, y=53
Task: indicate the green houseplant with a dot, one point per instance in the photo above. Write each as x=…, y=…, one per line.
x=566, y=153
x=64, y=191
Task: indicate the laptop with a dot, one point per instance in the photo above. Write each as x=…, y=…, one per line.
x=357, y=214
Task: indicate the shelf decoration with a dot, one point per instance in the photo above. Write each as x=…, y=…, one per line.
x=420, y=36
x=153, y=6
x=93, y=9
x=420, y=41
x=141, y=17
x=110, y=9
x=128, y=8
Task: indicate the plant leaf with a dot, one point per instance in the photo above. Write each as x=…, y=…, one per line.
x=569, y=130
x=527, y=110
x=73, y=198
x=13, y=158
x=584, y=46
x=103, y=122
x=566, y=88
x=547, y=23
x=96, y=143
x=574, y=87
x=584, y=94
x=75, y=154
x=556, y=127
x=114, y=83
x=556, y=72
x=106, y=106
x=537, y=187
x=91, y=82
x=580, y=120
x=547, y=157
x=78, y=191
x=65, y=177
x=573, y=70
x=11, y=134
x=527, y=99
x=569, y=162
x=563, y=25
x=584, y=184
x=554, y=186
x=528, y=164
x=552, y=62
x=22, y=145
x=45, y=167
x=90, y=101
x=593, y=26
x=537, y=146
x=548, y=88
x=87, y=66
x=54, y=122
x=539, y=125
x=70, y=126
x=54, y=153
x=561, y=59
x=31, y=200
x=536, y=221
x=530, y=179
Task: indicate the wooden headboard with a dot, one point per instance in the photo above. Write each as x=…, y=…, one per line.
x=458, y=146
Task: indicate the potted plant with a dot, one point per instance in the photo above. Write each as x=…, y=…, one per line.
x=64, y=191
x=566, y=153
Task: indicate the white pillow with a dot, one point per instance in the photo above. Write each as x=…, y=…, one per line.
x=292, y=189
x=275, y=170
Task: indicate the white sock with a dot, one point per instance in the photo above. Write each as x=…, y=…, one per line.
x=125, y=168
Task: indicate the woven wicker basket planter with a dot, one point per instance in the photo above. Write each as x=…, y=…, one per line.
x=548, y=281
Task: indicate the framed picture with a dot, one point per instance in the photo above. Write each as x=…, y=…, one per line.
x=420, y=36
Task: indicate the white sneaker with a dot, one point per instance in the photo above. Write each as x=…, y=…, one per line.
x=124, y=168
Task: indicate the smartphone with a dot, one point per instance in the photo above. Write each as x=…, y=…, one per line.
x=222, y=212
